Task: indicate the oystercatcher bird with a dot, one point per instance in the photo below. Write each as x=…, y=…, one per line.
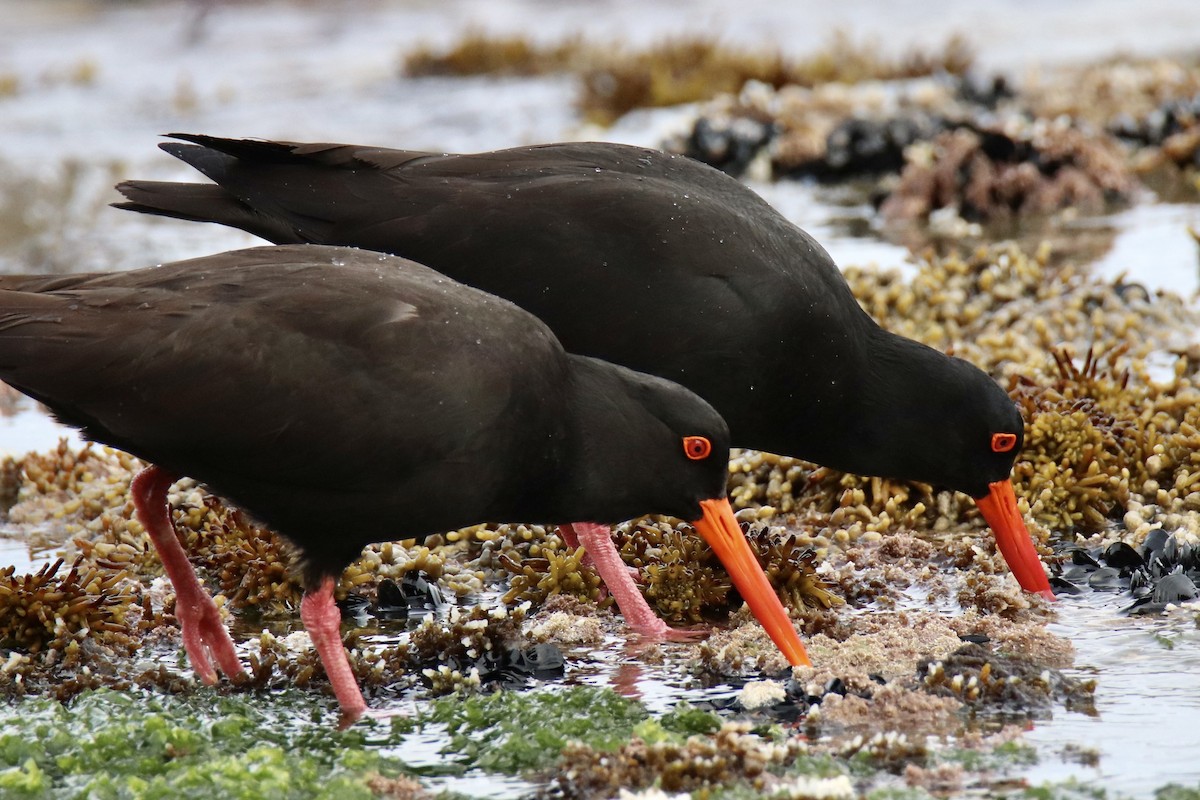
x=654, y=261
x=345, y=397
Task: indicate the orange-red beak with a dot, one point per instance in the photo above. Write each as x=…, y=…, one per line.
x=1012, y=537
x=721, y=531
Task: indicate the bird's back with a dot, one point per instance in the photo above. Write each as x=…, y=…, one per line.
x=320, y=387
x=653, y=261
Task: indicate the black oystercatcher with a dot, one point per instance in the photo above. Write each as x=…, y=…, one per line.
x=656, y=262
x=346, y=397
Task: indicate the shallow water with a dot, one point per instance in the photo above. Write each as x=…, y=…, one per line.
x=1147, y=698
x=98, y=82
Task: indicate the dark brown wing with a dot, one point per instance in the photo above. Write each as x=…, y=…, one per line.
x=300, y=381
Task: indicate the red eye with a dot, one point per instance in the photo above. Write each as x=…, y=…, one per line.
x=1003, y=442
x=696, y=447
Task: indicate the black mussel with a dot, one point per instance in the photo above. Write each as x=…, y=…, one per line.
x=1077, y=574
x=1175, y=588
x=1140, y=583
x=413, y=596
x=1153, y=544
x=1061, y=584
x=354, y=605
x=1106, y=579
x=514, y=668
x=1171, y=550
x=390, y=602
x=1121, y=556
x=1144, y=607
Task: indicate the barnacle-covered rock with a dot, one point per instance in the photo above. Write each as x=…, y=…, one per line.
x=733, y=754
x=1117, y=92
x=1152, y=104
x=485, y=647
x=994, y=593
x=568, y=629
x=993, y=174
x=1012, y=683
x=890, y=707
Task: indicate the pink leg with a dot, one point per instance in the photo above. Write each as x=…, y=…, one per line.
x=567, y=532
x=323, y=622
x=203, y=631
x=571, y=539
x=597, y=540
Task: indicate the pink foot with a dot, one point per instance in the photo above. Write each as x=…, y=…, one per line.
x=204, y=635
x=323, y=622
x=597, y=540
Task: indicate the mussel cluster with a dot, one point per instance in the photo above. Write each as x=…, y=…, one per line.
x=1162, y=571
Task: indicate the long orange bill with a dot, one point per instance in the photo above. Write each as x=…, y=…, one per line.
x=721, y=531
x=999, y=508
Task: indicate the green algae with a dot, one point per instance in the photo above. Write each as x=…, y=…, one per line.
x=687, y=720
x=1173, y=791
x=1005, y=756
x=1068, y=790
x=1077, y=790
x=893, y=793
x=514, y=733
x=108, y=744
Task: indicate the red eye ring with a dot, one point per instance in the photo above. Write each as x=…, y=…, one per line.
x=697, y=448
x=1003, y=442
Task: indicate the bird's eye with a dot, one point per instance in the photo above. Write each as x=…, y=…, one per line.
x=696, y=447
x=1003, y=442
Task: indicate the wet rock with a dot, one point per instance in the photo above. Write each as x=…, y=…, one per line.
x=984, y=679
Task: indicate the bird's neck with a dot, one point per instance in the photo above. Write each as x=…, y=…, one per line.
x=875, y=394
